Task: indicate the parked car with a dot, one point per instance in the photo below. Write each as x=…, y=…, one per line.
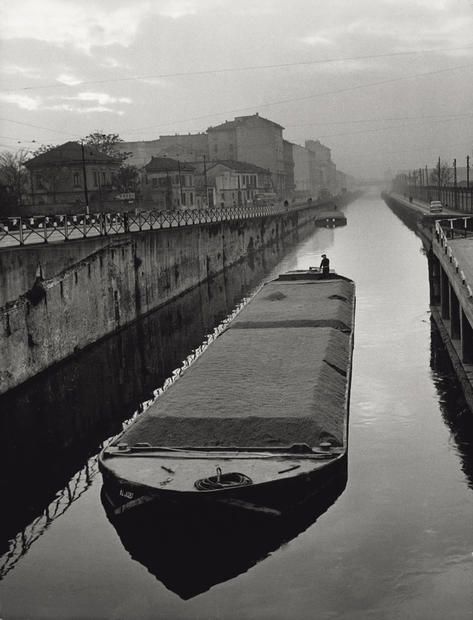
x=436, y=206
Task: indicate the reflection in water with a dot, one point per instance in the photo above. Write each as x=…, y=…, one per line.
x=53, y=425
x=20, y=544
x=190, y=555
x=455, y=411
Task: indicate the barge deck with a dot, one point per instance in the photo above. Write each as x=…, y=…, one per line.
x=267, y=401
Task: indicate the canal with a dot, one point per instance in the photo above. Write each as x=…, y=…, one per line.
x=394, y=541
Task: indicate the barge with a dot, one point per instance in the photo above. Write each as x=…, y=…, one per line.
x=330, y=218
x=259, y=422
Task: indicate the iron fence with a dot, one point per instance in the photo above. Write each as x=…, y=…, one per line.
x=450, y=229
x=45, y=229
x=456, y=198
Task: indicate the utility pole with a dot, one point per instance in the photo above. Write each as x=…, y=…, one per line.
x=32, y=187
x=180, y=182
x=426, y=175
x=205, y=182
x=455, y=198
x=84, y=173
x=467, y=172
x=438, y=179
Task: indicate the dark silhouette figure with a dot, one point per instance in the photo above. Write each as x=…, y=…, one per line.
x=325, y=266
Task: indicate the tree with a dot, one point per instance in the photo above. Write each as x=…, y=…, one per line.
x=13, y=175
x=445, y=174
x=107, y=143
x=127, y=178
x=44, y=148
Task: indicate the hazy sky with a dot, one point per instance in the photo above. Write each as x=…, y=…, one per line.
x=383, y=83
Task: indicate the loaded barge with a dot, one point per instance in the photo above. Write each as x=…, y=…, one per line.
x=259, y=422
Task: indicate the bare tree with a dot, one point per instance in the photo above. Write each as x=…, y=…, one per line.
x=441, y=174
x=107, y=143
x=13, y=174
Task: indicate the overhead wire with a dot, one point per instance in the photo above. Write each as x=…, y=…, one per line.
x=306, y=97
x=216, y=71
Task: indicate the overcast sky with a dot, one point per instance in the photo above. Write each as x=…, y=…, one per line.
x=383, y=83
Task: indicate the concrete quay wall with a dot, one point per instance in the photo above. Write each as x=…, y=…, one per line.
x=18, y=266
x=450, y=303
x=120, y=279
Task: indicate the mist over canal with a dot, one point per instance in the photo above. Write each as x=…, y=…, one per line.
x=395, y=540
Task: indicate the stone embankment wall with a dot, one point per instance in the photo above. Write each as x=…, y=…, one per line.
x=114, y=281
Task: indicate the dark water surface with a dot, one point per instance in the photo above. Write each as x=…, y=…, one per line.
x=393, y=540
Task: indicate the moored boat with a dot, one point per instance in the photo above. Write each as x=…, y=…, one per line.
x=259, y=420
x=330, y=218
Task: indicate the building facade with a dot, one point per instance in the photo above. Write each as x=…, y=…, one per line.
x=302, y=175
x=239, y=183
x=183, y=147
x=72, y=173
x=251, y=139
x=168, y=184
x=322, y=168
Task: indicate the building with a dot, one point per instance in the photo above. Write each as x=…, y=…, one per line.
x=322, y=168
x=183, y=147
x=239, y=183
x=168, y=184
x=302, y=175
x=289, y=166
x=251, y=139
x=72, y=173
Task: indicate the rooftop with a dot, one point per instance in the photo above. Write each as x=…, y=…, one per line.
x=70, y=153
x=239, y=166
x=167, y=164
x=241, y=120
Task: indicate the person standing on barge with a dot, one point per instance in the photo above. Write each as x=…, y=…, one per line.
x=325, y=266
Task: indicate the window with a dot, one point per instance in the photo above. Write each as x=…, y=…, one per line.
x=183, y=198
x=155, y=182
x=39, y=182
x=104, y=179
x=192, y=198
x=76, y=179
x=96, y=178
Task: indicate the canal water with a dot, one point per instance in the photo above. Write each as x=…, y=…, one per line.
x=394, y=540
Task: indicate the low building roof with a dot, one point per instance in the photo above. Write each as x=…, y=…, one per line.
x=71, y=153
x=239, y=166
x=167, y=164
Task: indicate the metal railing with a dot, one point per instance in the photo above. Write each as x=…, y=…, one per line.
x=455, y=228
x=20, y=231
x=456, y=198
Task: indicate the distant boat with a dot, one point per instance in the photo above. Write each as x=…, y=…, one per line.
x=330, y=218
x=259, y=421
